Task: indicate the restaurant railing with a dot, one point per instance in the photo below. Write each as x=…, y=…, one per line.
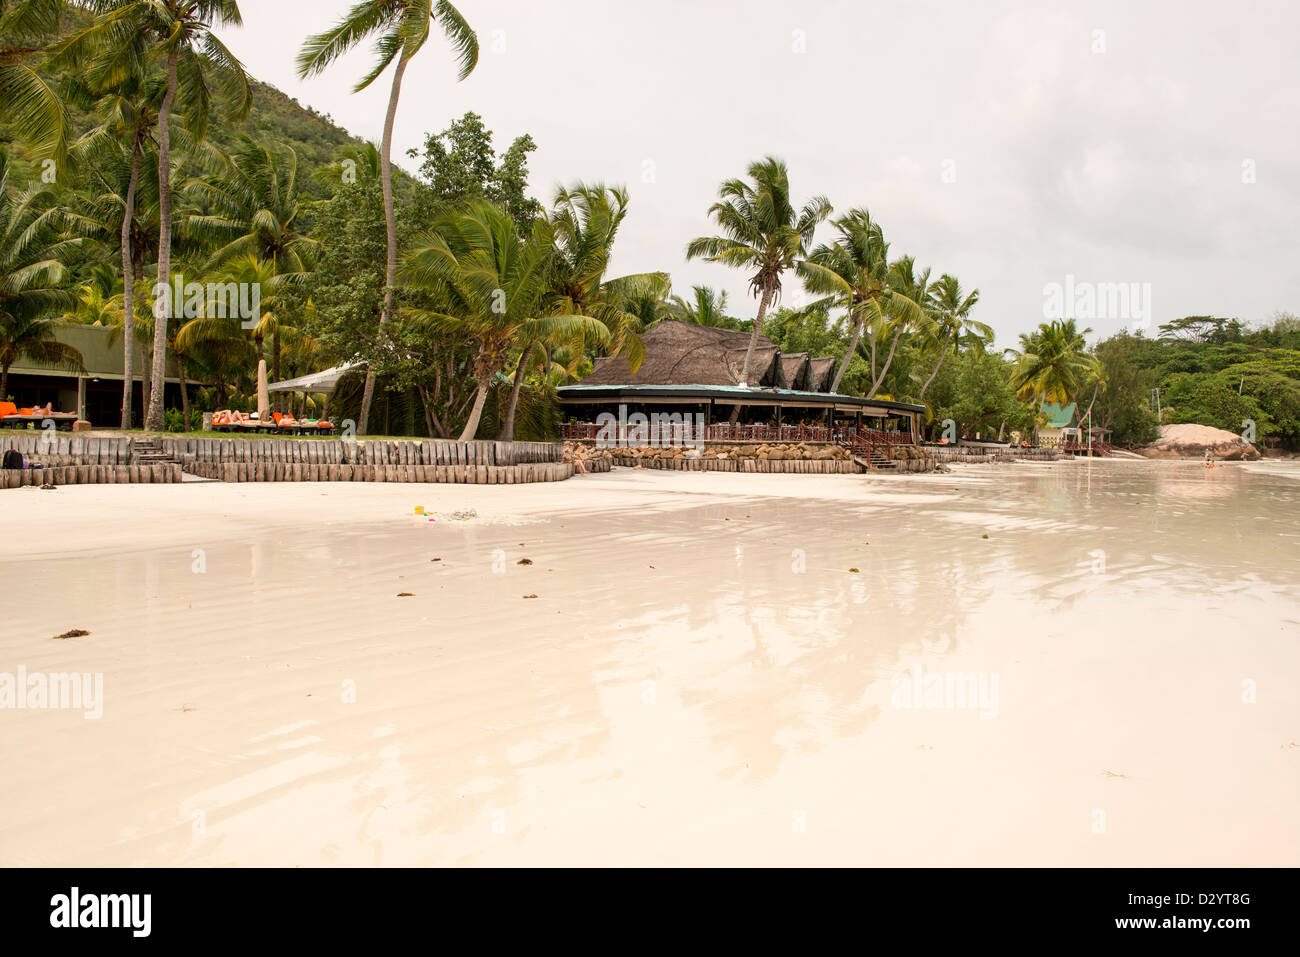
x=675, y=433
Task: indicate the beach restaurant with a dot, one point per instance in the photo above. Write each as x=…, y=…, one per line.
x=693, y=373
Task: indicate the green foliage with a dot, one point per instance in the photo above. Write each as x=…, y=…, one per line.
x=460, y=164
x=974, y=390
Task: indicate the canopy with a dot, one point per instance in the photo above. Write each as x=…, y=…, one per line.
x=325, y=381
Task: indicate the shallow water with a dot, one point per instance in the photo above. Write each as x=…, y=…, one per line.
x=703, y=677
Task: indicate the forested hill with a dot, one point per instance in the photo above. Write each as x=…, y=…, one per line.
x=276, y=119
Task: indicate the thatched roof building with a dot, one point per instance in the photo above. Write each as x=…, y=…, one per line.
x=677, y=352
x=821, y=374
x=689, y=365
x=796, y=370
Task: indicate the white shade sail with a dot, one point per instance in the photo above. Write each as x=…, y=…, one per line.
x=325, y=381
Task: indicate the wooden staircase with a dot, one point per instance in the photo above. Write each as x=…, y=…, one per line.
x=148, y=452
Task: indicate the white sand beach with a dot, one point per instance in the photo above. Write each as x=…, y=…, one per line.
x=702, y=677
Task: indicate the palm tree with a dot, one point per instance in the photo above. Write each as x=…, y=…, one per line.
x=35, y=339
x=32, y=274
x=28, y=105
x=853, y=273
x=1053, y=364
x=127, y=114
x=252, y=205
x=402, y=27
x=951, y=313
x=585, y=220
x=762, y=231
x=706, y=307
x=197, y=63
x=493, y=287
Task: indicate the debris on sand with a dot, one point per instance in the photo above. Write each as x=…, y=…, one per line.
x=73, y=633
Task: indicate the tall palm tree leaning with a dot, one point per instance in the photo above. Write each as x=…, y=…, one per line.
x=402, y=27
x=853, y=273
x=762, y=231
x=494, y=290
x=952, y=320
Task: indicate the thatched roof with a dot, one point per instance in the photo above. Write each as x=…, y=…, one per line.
x=796, y=369
x=821, y=374
x=679, y=352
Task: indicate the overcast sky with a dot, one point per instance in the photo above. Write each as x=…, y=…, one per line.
x=1011, y=143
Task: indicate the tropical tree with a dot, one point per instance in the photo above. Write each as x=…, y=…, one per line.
x=36, y=339
x=1053, y=364
x=249, y=209
x=705, y=307
x=32, y=274
x=402, y=27
x=762, y=232
x=28, y=104
x=493, y=289
x=951, y=309
x=585, y=220
x=853, y=273
x=114, y=150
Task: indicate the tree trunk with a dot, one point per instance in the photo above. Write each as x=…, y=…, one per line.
x=4, y=384
x=747, y=368
x=944, y=352
x=875, y=386
x=848, y=354
x=146, y=384
x=128, y=291
x=185, y=398
x=154, y=420
x=471, y=425
x=507, y=433
x=275, y=367
x=390, y=225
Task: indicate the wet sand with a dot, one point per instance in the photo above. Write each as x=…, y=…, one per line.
x=701, y=678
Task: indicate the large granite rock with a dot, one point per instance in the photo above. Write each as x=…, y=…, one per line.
x=1189, y=441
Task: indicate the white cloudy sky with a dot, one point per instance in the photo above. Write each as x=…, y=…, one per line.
x=1117, y=166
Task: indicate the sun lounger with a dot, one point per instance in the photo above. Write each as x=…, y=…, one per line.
x=15, y=418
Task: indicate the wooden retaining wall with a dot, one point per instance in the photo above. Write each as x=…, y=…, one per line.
x=91, y=475
x=762, y=466
x=434, y=452
x=70, y=449
x=269, y=471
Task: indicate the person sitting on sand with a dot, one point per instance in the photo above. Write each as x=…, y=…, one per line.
x=1209, y=463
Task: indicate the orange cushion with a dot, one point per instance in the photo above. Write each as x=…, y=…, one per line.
x=7, y=408
x=26, y=411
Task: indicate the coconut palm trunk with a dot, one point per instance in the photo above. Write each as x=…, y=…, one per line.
x=146, y=378
x=185, y=397
x=128, y=293
x=884, y=371
x=943, y=352
x=154, y=419
x=390, y=226
x=507, y=433
x=476, y=413
x=849, y=353
x=747, y=368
